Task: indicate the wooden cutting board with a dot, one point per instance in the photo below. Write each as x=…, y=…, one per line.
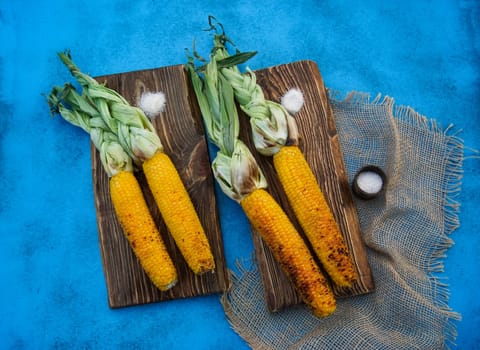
x=181, y=131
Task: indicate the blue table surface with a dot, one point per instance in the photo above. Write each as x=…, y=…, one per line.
x=424, y=54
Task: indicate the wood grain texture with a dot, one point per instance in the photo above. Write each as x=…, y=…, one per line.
x=320, y=145
x=183, y=138
x=181, y=130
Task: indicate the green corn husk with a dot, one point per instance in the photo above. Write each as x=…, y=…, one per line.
x=66, y=101
x=272, y=126
x=234, y=166
x=134, y=130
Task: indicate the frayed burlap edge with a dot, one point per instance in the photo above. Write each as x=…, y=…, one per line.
x=451, y=205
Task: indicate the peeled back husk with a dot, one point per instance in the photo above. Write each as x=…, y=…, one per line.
x=272, y=126
x=238, y=175
x=112, y=155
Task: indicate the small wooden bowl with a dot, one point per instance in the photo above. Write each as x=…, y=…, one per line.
x=362, y=193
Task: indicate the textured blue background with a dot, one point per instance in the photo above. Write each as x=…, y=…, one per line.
x=423, y=53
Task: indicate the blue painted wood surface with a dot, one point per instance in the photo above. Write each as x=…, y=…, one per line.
x=425, y=54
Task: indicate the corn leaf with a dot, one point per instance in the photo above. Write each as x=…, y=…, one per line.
x=72, y=107
x=231, y=61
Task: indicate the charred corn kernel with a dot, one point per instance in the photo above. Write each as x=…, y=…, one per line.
x=314, y=215
x=178, y=212
x=290, y=250
x=141, y=231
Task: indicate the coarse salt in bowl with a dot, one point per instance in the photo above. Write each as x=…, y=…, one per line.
x=369, y=182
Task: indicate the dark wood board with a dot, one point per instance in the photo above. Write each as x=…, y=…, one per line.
x=182, y=133
x=320, y=145
x=183, y=137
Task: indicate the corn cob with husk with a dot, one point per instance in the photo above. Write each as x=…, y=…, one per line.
x=275, y=133
x=127, y=197
x=138, y=138
x=241, y=179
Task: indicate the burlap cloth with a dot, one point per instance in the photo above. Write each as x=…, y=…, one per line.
x=405, y=231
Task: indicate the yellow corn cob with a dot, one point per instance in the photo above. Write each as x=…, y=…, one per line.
x=314, y=214
x=289, y=249
x=140, y=230
x=178, y=212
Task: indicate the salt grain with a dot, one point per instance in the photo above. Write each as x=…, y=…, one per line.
x=152, y=103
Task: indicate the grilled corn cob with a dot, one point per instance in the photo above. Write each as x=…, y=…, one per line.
x=177, y=208
x=129, y=204
x=240, y=178
x=140, y=141
x=289, y=249
x=140, y=229
x=314, y=214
